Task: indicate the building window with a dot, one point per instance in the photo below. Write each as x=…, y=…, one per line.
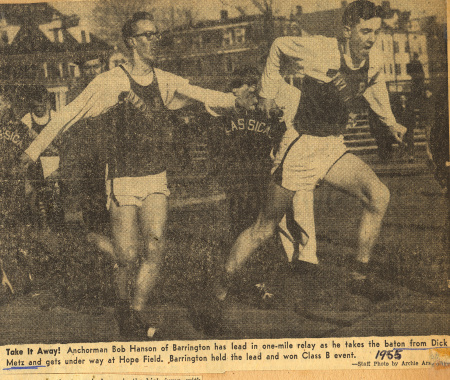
x=239, y=35
x=53, y=100
x=83, y=37
x=207, y=38
x=58, y=35
x=396, y=47
x=407, y=47
x=199, y=67
x=53, y=71
x=390, y=68
x=45, y=68
x=197, y=41
x=73, y=70
x=382, y=45
x=398, y=69
x=227, y=38
x=61, y=70
x=229, y=65
x=385, y=69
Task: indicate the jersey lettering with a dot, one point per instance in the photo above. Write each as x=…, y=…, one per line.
x=12, y=136
x=248, y=125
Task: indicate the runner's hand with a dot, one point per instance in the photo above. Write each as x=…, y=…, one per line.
x=266, y=105
x=246, y=97
x=25, y=161
x=397, y=131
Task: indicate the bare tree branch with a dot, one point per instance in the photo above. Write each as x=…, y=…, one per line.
x=260, y=6
x=225, y=3
x=241, y=10
x=110, y=15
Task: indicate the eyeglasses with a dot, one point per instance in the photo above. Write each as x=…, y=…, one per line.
x=150, y=36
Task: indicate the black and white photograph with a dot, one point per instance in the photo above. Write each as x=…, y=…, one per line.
x=223, y=170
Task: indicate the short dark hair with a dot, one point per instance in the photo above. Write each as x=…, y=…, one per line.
x=244, y=75
x=129, y=28
x=38, y=94
x=361, y=9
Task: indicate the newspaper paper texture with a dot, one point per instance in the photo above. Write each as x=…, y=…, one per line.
x=224, y=189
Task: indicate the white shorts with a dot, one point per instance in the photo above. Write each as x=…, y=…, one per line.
x=306, y=161
x=132, y=191
x=49, y=164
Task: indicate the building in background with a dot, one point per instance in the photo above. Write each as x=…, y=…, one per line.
x=209, y=50
x=40, y=45
x=399, y=39
x=436, y=35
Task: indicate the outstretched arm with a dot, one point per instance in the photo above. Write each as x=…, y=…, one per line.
x=271, y=78
x=210, y=98
x=314, y=55
x=94, y=100
x=378, y=98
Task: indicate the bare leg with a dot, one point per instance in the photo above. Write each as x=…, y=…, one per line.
x=352, y=175
x=153, y=218
x=278, y=201
x=303, y=214
x=102, y=243
x=125, y=240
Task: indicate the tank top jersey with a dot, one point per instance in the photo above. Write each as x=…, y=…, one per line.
x=325, y=107
x=14, y=138
x=243, y=142
x=140, y=125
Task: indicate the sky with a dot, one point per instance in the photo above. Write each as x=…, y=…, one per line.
x=210, y=9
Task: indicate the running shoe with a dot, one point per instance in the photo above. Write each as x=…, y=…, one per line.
x=262, y=297
x=206, y=315
x=131, y=325
x=371, y=288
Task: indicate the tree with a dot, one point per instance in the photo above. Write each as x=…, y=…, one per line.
x=173, y=17
x=110, y=15
x=264, y=7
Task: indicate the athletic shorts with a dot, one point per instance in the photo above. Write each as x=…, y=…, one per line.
x=306, y=161
x=49, y=164
x=132, y=191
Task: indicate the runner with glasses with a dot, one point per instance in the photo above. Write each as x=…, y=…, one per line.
x=138, y=98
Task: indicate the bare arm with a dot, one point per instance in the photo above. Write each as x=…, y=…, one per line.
x=210, y=98
x=378, y=98
x=94, y=100
x=315, y=55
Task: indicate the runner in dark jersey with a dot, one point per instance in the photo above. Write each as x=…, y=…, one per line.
x=83, y=162
x=337, y=76
x=14, y=138
x=16, y=209
x=44, y=181
x=241, y=144
x=137, y=97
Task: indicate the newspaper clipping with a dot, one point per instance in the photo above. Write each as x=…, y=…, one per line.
x=212, y=189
